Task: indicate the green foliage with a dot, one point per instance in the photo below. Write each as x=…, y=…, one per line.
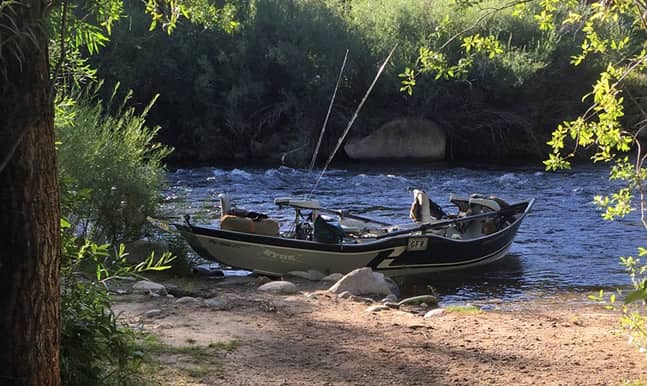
x=95, y=348
x=203, y=12
x=634, y=314
x=262, y=90
x=111, y=168
x=223, y=94
x=491, y=40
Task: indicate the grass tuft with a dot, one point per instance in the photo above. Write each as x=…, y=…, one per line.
x=464, y=309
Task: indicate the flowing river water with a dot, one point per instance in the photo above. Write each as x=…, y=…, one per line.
x=562, y=245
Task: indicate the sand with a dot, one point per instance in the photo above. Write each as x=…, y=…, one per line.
x=315, y=338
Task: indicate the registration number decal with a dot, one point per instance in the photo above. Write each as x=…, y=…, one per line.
x=417, y=244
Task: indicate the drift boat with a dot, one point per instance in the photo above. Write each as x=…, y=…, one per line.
x=329, y=241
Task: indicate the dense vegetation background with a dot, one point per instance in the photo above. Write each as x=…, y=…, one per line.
x=264, y=89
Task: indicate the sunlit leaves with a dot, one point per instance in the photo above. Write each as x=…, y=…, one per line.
x=556, y=162
x=487, y=45
x=601, y=127
x=617, y=204
x=408, y=80
x=435, y=63
x=167, y=13
x=64, y=113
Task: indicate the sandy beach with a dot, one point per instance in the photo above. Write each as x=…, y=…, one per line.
x=226, y=332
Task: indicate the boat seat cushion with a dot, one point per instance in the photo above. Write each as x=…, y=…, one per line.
x=261, y=226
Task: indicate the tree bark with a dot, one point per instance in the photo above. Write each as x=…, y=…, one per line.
x=30, y=250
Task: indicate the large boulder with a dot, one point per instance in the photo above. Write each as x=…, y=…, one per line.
x=363, y=281
x=401, y=139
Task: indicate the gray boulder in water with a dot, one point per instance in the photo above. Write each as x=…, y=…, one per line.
x=401, y=139
x=363, y=281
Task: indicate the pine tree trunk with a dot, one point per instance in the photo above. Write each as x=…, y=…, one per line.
x=29, y=208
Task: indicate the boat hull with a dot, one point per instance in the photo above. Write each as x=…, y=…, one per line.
x=394, y=256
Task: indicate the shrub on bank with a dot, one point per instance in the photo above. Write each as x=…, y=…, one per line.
x=111, y=170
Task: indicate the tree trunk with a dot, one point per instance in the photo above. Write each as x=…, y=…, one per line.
x=29, y=204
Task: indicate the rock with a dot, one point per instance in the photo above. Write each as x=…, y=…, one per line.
x=344, y=295
x=217, y=304
x=170, y=296
x=419, y=300
x=362, y=281
x=332, y=277
x=186, y=299
x=140, y=250
x=390, y=299
x=377, y=308
x=361, y=299
x=310, y=275
x=395, y=289
x=434, y=312
x=392, y=305
x=401, y=139
x=279, y=287
x=262, y=280
x=149, y=287
x=153, y=313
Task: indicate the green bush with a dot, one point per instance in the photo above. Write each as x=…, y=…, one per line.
x=111, y=170
x=95, y=348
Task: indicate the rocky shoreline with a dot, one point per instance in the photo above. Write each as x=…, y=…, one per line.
x=311, y=335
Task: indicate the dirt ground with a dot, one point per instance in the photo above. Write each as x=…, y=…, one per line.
x=316, y=338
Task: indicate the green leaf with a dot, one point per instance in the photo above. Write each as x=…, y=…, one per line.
x=639, y=294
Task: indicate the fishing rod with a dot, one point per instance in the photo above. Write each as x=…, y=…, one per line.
x=350, y=124
x=332, y=100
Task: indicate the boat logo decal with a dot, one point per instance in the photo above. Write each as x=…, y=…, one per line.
x=279, y=256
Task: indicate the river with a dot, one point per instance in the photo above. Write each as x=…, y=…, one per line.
x=562, y=245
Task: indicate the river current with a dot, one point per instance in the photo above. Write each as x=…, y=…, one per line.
x=562, y=245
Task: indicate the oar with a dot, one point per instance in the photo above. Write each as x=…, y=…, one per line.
x=343, y=214
x=423, y=227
